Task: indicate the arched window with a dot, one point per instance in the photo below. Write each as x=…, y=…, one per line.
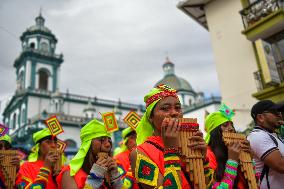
x=43, y=79
x=21, y=80
x=14, y=121
x=23, y=115
x=44, y=46
x=71, y=143
x=32, y=45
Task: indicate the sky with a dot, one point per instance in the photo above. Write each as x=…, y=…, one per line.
x=112, y=49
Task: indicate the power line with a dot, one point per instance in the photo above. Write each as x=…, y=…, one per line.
x=10, y=33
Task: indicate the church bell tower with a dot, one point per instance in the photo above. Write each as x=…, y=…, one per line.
x=37, y=67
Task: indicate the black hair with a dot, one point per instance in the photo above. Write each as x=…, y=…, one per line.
x=7, y=144
x=220, y=151
x=49, y=137
x=129, y=134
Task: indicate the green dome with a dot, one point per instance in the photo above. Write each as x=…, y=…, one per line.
x=175, y=82
x=38, y=28
x=172, y=80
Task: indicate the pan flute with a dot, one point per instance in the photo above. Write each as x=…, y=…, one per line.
x=105, y=156
x=192, y=157
x=58, y=164
x=245, y=158
x=8, y=170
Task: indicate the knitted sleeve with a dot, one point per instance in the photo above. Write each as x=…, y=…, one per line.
x=229, y=176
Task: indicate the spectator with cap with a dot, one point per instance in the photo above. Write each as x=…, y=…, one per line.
x=267, y=146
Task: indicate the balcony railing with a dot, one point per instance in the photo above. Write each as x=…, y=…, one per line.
x=258, y=81
x=257, y=76
x=259, y=10
x=280, y=68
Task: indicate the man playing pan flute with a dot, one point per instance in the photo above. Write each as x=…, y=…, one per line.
x=156, y=162
x=5, y=144
x=224, y=160
x=37, y=171
x=92, y=166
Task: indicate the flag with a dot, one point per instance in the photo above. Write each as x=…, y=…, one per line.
x=61, y=145
x=226, y=111
x=3, y=130
x=110, y=121
x=54, y=125
x=132, y=119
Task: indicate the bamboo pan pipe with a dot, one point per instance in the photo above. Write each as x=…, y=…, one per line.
x=8, y=170
x=245, y=158
x=192, y=157
x=58, y=164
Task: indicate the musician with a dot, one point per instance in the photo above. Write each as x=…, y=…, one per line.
x=267, y=146
x=5, y=144
x=103, y=172
x=155, y=162
x=224, y=160
x=37, y=171
x=129, y=142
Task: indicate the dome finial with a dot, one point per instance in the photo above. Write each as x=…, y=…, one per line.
x=40, y=9
x=39, y=19
x=167, y=59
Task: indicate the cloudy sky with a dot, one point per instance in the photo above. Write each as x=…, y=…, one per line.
x=112, y=49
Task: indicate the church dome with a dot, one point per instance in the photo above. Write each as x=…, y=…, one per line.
x=172, y=80
x=175, y=82
x=38, y=28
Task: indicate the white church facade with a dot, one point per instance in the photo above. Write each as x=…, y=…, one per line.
x=38, y=94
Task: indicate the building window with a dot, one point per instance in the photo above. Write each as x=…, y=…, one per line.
x=21, y=80
x=43, y=80
x=277, y=45
x=32, y=45
x=71, y=143
x=44, y=46
x=14, y=121
x=56, y=106
x=23, y=115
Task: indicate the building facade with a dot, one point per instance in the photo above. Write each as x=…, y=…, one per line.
x=38, y=95
x=247, y=39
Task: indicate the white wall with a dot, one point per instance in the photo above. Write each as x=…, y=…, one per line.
x=234, y=58
x=36, y=105
x=200, y=114
x=72, y=133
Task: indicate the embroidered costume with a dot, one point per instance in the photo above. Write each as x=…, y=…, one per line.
x=33, y=174
x=123, y=162
x=94, y=129
x=232, y=170
x=156, y=160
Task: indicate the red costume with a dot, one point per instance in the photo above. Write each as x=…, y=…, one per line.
x=153, y=147
x=29, y=176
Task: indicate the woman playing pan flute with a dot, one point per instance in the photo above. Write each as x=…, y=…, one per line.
x=224, y=160
x=156, y=162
